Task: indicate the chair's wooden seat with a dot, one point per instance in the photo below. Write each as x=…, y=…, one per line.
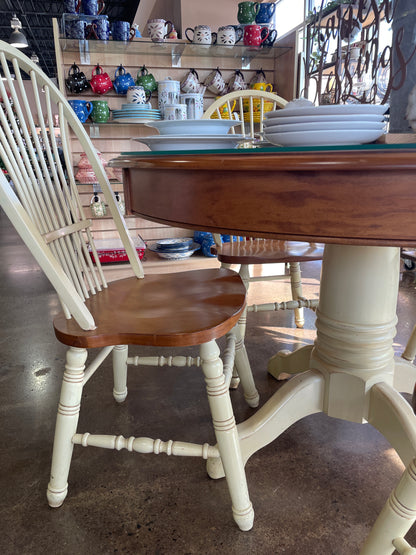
x=267, y=251
x=178, y=309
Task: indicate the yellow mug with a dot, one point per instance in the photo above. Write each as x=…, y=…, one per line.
x=224, y=108
x=268, y=87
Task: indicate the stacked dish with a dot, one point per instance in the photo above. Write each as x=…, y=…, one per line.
x=175, y=249
x=334, y=124
x=136, y=113
x=196, y=134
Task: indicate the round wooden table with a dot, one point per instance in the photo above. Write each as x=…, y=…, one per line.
x=360, y=202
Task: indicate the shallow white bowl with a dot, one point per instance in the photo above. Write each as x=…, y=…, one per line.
x=190, y=142
x=207, y=127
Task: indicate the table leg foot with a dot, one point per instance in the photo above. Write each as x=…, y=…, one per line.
x=299, y=397
x=286, y=363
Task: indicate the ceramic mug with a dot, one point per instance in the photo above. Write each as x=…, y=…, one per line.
x=100, y=82
x=159, y=29
x=201, y=34
x=247, y=12
x=100, y=111
x=76, y=81
x=268, y=87
x=121, y=30
x=138, y=95
x=191, y=82
x=82, y=109
x=72, y=6
x=229, y=35
x=175, y=111
x=92, y=7
x=224, y=108
x=102, y=28
x=122, y=80
x=255, y=35
x=258, y=77
x=270, y=39
x=146, y=79
x=265, y=12
x=236, y=83
x=215, y=82
x=194, y=105
x=75, y=29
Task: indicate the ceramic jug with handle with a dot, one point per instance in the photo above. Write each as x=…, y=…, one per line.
x=122, y=80
x=100, y=82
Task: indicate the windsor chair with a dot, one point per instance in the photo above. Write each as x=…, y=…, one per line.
x=193, y=308
x=250, y=107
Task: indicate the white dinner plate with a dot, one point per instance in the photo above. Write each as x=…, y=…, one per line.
x=324, y=138
x=330, y=110
x=326, y=126
x=190, y=142
x=194, y=126
x=299, y=119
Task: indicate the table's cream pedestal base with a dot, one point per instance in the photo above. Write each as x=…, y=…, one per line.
x=351, y=375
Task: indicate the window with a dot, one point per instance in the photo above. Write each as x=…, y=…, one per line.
x=289, y=14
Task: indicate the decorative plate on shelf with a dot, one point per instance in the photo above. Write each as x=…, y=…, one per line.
x=175, y=255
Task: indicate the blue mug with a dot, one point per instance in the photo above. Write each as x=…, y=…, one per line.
x=82, y=109
x=265, y=12
x=75, y=29
x=122, y=80
x=102, y=28
x=121, y=31
x=92, y=7
x=72, y=6
x=269, y=41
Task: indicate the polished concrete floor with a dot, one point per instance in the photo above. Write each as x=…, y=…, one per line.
x=316, y=490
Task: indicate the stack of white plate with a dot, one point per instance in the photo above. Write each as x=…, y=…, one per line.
x=135, y=113
x=334, y=124
x=197, y=134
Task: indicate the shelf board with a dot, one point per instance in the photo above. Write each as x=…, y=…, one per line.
x=175, y=48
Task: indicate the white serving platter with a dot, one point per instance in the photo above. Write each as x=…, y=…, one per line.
x=324, y=138
x=331, y=110
x=312, y=118
x=202, y=127
x=190, y=142
x=326, y=126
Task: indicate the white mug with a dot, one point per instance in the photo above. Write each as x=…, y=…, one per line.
x=159, y=29
x=167, y=93
x=138, y=95
x=191, y=82
x=228, y=36
x=175, y=111
x=215, y=82
x=201, y=34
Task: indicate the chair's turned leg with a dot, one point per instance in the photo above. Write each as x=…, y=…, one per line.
x=296, y=286
x=245, y=276
x=242, y=364
x=226, y=435
x=66, y=425
x=120, y=353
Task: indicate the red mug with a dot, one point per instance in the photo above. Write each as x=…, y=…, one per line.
x=100, y=82
x=254, y=35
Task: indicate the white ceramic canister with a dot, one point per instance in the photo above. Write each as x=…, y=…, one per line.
x=168, y=93
x=194, y=105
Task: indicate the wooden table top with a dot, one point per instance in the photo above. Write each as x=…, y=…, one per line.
x=364, y=195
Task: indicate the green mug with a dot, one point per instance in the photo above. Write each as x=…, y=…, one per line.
x=100, y=111
x=146, y=79
x=247, y=12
